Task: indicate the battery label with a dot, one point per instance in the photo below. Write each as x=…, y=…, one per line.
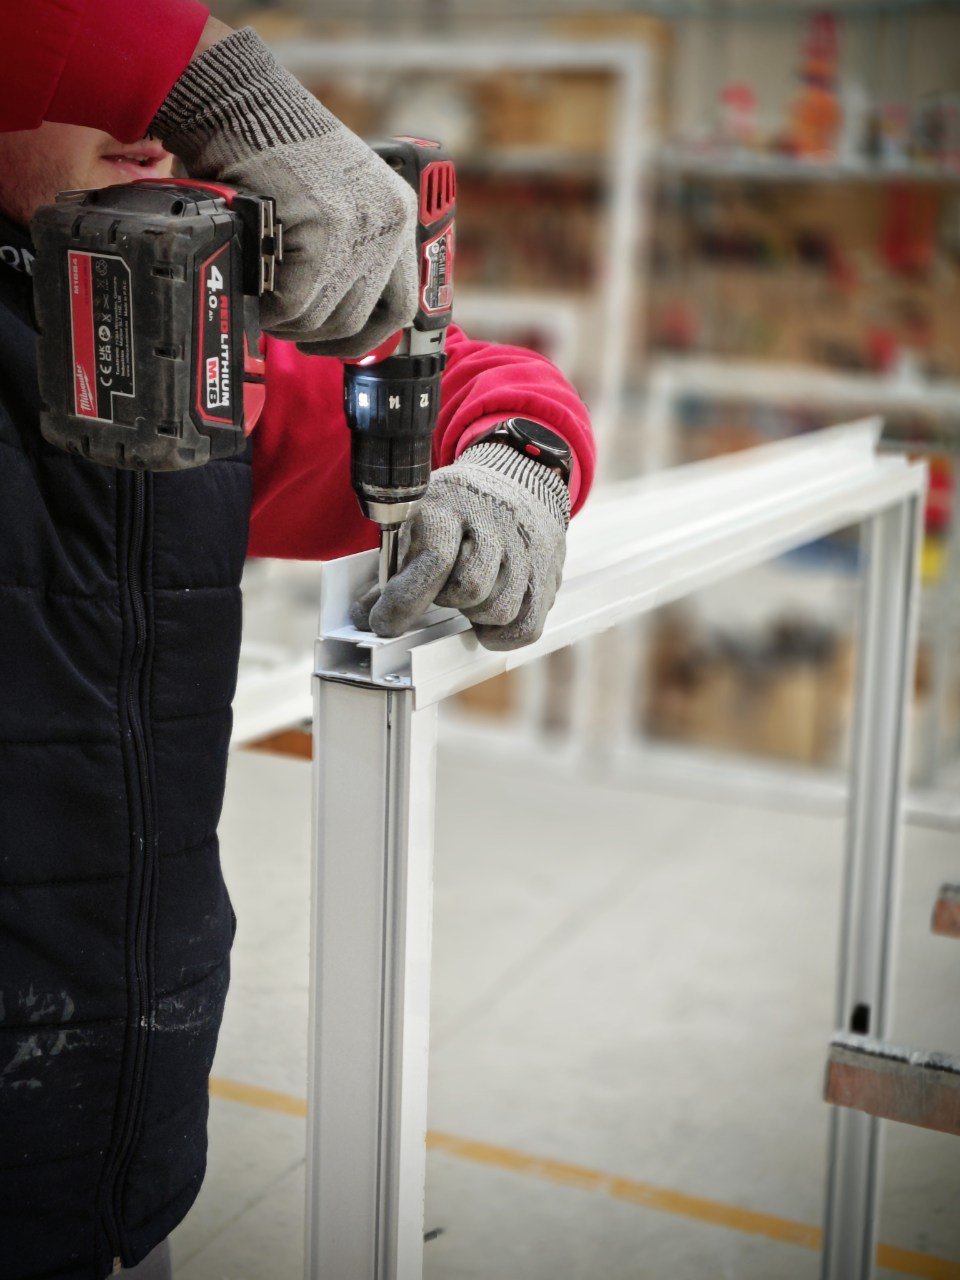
x=101, y=318
x=436, y=273
x=215, y=390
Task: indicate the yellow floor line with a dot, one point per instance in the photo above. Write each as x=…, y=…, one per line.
x=252, y=1095
x=906, y=1262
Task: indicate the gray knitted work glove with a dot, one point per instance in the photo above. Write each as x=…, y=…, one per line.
x=489, y=539
x=348, y=279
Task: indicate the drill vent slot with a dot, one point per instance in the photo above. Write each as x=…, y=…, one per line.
x=438, y=192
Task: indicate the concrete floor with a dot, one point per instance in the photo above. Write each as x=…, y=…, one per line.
x=632, y=984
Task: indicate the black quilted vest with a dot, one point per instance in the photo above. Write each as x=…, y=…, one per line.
x=119, y=634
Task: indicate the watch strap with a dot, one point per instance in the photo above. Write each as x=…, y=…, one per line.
x=533, y=440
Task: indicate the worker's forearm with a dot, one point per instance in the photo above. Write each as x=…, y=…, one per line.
x=213, y=31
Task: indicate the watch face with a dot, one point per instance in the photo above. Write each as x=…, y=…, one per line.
x=538, y=442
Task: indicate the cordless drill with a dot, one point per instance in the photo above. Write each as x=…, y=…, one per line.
x=150, y=353
x=392, y=397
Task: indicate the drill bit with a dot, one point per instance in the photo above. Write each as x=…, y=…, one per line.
x=389, y=552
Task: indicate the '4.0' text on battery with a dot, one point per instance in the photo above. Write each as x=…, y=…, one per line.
x=218, y=368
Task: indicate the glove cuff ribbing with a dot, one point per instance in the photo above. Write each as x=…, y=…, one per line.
x=537, y=478
x=238, y=89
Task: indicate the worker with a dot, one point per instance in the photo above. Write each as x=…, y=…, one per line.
x=120, y=618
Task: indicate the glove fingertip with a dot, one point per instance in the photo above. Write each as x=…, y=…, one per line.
x=362, y=607
x=491, y=638
x=360, y=616
x=502, y=639
x=386, y=625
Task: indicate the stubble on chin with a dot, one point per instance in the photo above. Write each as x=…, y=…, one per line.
x=29, y=182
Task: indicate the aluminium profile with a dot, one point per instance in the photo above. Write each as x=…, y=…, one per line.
x=638, y=546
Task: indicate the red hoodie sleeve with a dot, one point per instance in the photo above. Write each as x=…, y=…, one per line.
x=107, y=64
x=303, y=505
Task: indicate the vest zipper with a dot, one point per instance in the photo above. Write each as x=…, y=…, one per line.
x=135, y=710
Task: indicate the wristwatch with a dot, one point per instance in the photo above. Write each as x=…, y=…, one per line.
x=534, y=441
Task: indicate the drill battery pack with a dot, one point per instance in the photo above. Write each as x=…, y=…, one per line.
x=146, y=298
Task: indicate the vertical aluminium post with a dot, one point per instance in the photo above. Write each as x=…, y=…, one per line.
x=874, y=828
x=375, y=770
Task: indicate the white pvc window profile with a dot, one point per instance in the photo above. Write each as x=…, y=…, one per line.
x=638, y=546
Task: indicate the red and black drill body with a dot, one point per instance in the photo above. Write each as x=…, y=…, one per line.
x=147, y=301
x=392, y=397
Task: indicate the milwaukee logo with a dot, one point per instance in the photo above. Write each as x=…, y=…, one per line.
x=85, y=402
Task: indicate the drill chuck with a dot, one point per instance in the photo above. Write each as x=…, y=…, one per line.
x=391, y=409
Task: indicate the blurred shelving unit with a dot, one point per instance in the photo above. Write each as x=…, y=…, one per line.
x=675, y=382
x=741, y=166
x=814, y=296
x=805, y=265
x=671, y=379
